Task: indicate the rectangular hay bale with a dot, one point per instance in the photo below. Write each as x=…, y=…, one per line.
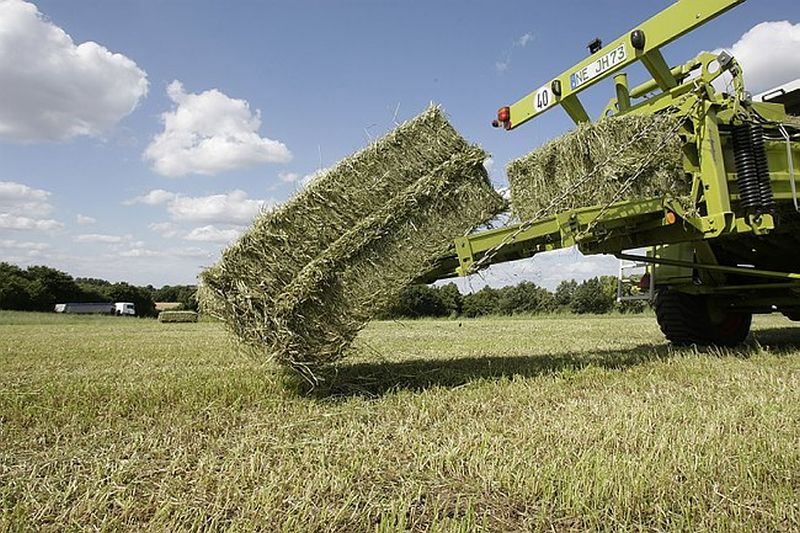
x=334, y=296
x=546, y=173
x=245, y=287
x=241, y=289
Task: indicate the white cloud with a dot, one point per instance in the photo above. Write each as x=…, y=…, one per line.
x=85, y=220
x=24, y=208
x=209, y=133
x=230, y=208
x=523, y=41
x=101, y=237
x=140, y=252
x=55, y=90
x=165, y=229
x=769, y=54
x=154, y=197
x=191, y=251
x=16, y=222
x=504, y=63
x=289, y=177
x=212, y=233
x=10, y=244
x=19, y=199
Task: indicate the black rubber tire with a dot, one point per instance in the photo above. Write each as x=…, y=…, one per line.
x=685, y=319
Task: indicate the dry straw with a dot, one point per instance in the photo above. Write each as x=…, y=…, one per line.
x=544, y=174
x=376, y=204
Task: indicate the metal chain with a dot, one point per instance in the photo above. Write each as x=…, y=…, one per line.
x=492, y=252
x=640, y=169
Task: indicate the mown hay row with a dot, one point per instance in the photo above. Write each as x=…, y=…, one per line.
x=242, y=287
x=546, y=173
x=322, y=310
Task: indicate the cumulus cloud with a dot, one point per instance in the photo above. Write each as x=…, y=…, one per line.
x=233, y=208
x=18, y=199
x=23, y=223
x=10, y=244
x=54, y=89
x=289, y=177
x=141, y=252
x=212, y=233
x=154, y=197
x=25, y=208
x=85, y=220
x=209, y=133
x=165, y=229
x=769, y=54
x=229, y=208
x=102, y=238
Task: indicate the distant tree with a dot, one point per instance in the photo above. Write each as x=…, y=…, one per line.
x=50, y=286
x=565, y=292
x=93, y=282
x=452, y=298
x=484, y=302
x=187, y=297
x=526, y=297
x=15, y=288
x=592, y=296
x=417, y=301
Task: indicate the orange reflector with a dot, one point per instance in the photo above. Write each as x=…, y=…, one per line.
x=670, y=217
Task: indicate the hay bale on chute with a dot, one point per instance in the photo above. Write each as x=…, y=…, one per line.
x=546, y=173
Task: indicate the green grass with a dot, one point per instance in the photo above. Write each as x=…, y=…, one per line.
x=555, y=423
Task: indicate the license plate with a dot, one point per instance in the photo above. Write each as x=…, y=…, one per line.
x=598, y=67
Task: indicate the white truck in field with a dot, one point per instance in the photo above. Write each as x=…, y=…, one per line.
x=95, y=308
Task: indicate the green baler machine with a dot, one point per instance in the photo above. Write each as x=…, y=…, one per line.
x=714, y=259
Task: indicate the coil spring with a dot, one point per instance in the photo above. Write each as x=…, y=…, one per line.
x=752, y=172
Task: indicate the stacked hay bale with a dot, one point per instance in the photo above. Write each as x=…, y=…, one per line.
x=358, y=233
x=546, y=173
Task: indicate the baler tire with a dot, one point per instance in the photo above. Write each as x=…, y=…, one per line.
x=685, y=320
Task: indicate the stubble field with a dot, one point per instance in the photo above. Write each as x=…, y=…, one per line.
x=556, y=423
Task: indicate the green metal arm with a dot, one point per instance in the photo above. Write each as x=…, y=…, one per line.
x=642, y=43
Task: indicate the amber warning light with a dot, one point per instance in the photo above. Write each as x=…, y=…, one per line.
x=503, y=118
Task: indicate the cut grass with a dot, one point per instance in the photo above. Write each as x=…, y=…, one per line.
x=488, y=424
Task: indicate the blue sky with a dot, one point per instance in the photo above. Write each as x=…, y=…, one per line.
x=137, y=158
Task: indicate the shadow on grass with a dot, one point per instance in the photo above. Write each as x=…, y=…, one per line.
x=374, y=379
x=782, y=339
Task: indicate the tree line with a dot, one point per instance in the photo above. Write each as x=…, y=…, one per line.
x=597, y=295
x=39, y=288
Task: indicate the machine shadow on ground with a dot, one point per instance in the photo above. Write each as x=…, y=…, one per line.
x=375, y=379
